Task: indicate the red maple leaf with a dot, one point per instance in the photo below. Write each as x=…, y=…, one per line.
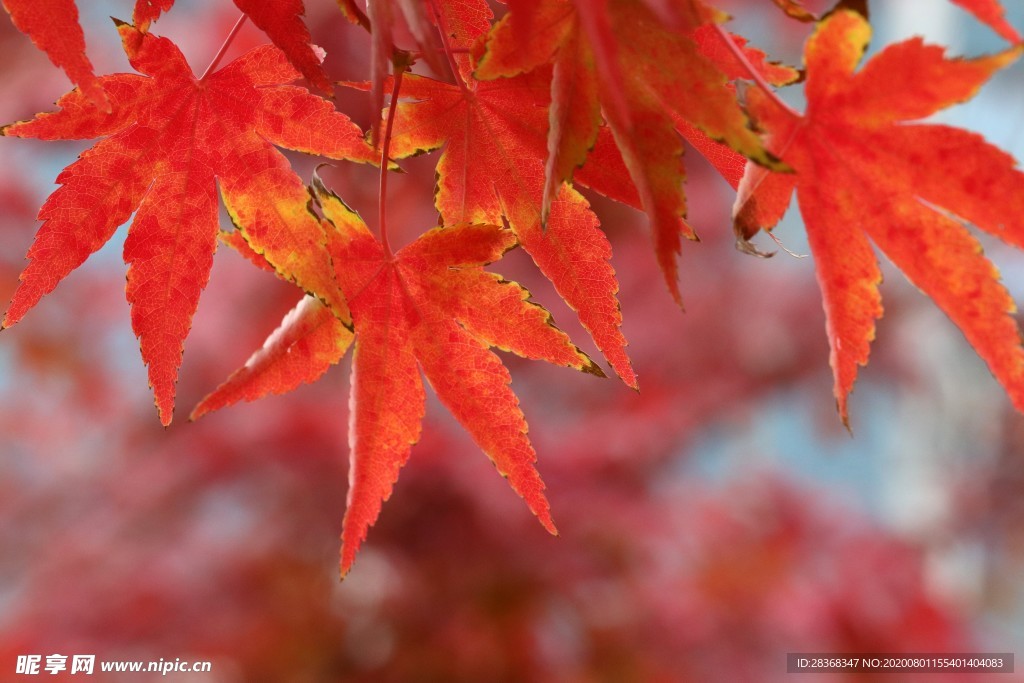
x=53, y=27
x=492, y=169
x=281, y=20
x=430, y=307
x=616, y=58
x=173, y=138
x=148, y=11
x=992, y=13
x=605, y=170
x=865, y=174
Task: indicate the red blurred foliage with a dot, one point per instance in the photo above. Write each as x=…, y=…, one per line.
x=218, y=540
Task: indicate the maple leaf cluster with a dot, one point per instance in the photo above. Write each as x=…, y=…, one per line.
x=524, y=109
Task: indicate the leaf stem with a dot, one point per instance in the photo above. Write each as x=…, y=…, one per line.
x=755, y=75
x=382, y=200
x=224, y=48
x=442, y=27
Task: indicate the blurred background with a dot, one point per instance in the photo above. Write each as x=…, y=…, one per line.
x=710, y=524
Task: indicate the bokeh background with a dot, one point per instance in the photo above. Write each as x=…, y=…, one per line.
x=710, y=524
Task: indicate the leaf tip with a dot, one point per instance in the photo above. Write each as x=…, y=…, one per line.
x=10, y=319
x=166, y=415
x=317, y=188
x=1012, y=53
x=747, y=247
x=844, y=416
x=592, y=368
x=347, y=558
x=677, y=297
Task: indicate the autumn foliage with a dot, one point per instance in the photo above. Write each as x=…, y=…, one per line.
x=523, y=110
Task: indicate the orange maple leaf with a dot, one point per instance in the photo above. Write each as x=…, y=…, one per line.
x=429, y=307
x=172, y=139
x=864, y=172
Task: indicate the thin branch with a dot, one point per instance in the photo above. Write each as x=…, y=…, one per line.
x=442, y=27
